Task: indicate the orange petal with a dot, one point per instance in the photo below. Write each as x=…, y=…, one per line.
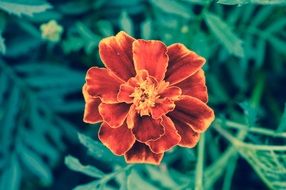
x=193, y=112
x=146, y=128
x=168, y=140
x=116, y=54
x=91, y=113
x=141, y=153
x=162, y=107
x=102, y=83
x=150, y=55
x=118, y=140
x=132, y=114
x=195, y=86
x=171, y=92
x=126, y=90
x=114, y=114
x=182, y=63
x=189, y=138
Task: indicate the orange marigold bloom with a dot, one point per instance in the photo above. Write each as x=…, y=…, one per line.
x=149, y=97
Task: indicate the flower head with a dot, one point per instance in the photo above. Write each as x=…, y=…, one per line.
x=51, y=31
x=149, y=98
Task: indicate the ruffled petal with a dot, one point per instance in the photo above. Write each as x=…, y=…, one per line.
x=141, y=153
x=118, y=140
x=146, y=128
x=91, y=113
x=116, y=54
x=168, y=140
x=193, y=112
x=189, y=138
x=114, y=114
x=171, y=92
x=124, y=93
x=162, y=107
x=195, y=86
x=102, y=83
x=132, y=115
x=182, y=63
x=150, y=55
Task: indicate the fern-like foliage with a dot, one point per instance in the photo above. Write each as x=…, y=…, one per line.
x=32, y=98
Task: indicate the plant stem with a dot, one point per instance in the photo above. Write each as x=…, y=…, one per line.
x=200, y=164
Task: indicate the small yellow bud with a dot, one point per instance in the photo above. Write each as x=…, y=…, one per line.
x=51, y=31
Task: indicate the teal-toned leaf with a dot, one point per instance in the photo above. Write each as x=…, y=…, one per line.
x=146, y=29
x=250, y=113
x=21, y=45
x=135, y=181
x=2, y=45
x=74, y=8
x=173, y=7
x=89, y=186
x=11, y=176
x=36, y=165
x=74, y=164
x=125, y=23
x=224, y=34
x=277, y=26
x=277, y=43
x=261, y=16
x=241, y=2
x=199, y=2
x=105, y=27
x=162, y=177
x=99, y=151
x=24, y=7
x=282, y=124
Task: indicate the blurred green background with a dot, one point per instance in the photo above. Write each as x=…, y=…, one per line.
x=47, y=46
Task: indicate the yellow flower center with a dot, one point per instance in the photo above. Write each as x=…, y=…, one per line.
x=144, y=97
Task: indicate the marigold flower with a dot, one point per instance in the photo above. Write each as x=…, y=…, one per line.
x=149, y=97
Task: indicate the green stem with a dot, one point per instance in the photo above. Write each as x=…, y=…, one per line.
x=200, y=164
x=240, y=126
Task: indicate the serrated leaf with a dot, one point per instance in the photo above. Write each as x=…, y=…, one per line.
x=24, y=7
x=224, y=34
x=36, y=165
x=241, y=2
x=135, y=181
x=74, y=164
x=98, y=150
x=173, y=7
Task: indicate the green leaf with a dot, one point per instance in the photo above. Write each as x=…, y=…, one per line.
x=135, y=181
x=2, y=44
x=277, y=43
x=250, y=113
x=282, y=124
x=11, y=177
x=125, y=23
x=24, y=7
x=99, y=151
x=146, y=29
x=36, y=165
x=224, y=34
x=240, y=2
x=74, y=164
x=173, y=7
